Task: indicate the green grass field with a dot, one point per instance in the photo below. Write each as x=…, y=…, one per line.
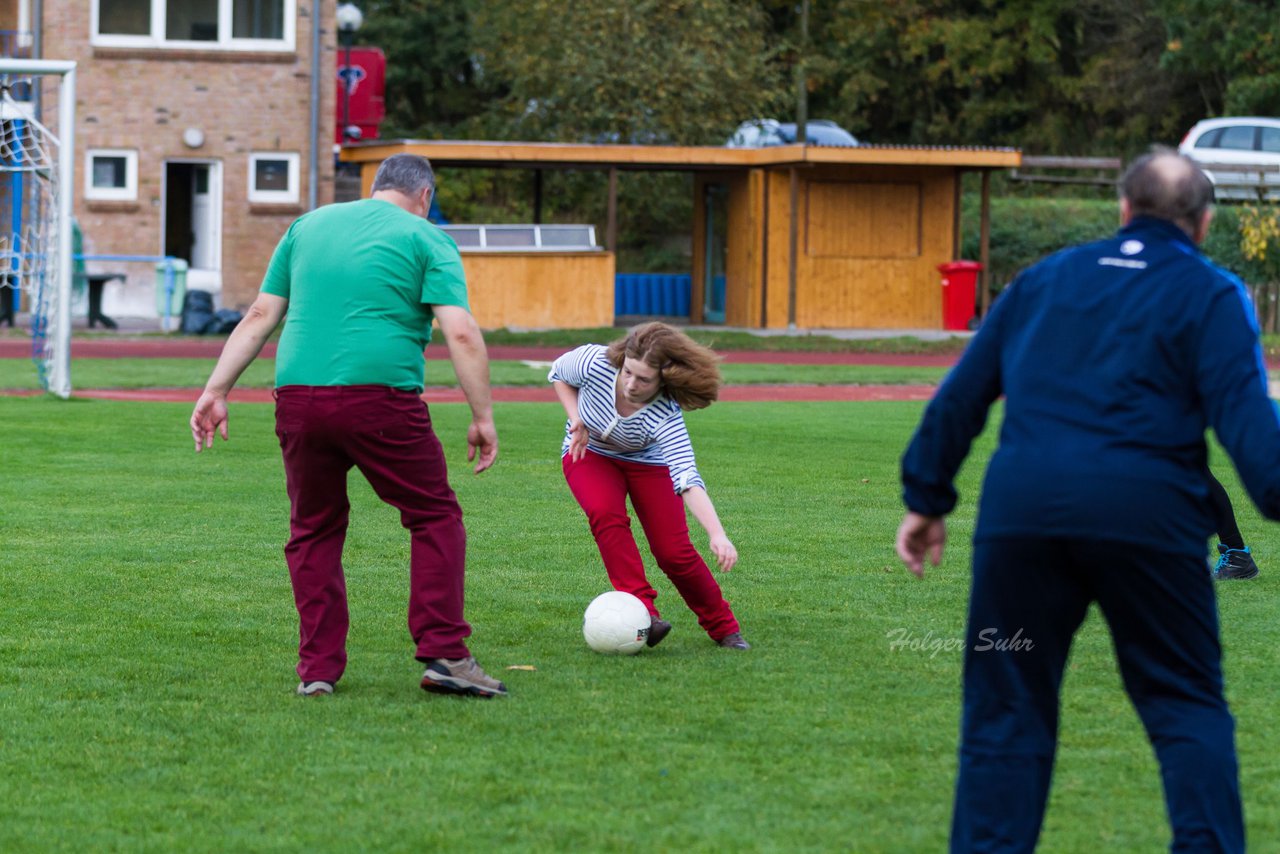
x=148, y=643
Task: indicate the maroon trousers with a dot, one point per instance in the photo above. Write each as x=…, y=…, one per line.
x=601, y=485
x=386, y=433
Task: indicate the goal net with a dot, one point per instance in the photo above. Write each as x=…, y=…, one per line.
x=35, y=207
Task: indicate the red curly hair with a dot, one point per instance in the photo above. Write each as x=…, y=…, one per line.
x=688, y=372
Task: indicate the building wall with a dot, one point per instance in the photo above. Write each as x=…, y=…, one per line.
x=242, y=102
x=868, y=242
x=557, y=290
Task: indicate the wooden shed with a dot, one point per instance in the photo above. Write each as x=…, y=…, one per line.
x=805, y=236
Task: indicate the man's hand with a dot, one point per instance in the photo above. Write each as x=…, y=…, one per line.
x=482, y=444
x=209, y=416
x=921, y=536
x=242, y=347
x=471, y=365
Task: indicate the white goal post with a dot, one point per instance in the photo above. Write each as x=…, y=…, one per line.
x=37, y=172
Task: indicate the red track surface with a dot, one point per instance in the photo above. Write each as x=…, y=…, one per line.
x=539, y=394
x=187, y=348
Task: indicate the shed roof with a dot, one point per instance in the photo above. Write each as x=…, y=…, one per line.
x=555, y=155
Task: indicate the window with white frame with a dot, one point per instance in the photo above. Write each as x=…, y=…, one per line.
x=273, y=177
x=111, y=174
x=217, y=24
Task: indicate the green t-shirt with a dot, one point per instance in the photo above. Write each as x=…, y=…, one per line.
x=360, y=278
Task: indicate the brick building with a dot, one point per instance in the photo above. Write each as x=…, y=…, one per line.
x=203, y=128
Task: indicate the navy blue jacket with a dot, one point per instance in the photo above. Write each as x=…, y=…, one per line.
x=1113, y=358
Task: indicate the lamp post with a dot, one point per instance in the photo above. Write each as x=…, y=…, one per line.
x=349, y=19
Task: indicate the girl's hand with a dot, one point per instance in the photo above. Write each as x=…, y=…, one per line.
x=726, y=555
x=577, y=439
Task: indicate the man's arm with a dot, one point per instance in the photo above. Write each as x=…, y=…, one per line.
x=471, y=364
x=242, y=347
x=1232, y=381
x=951, y=421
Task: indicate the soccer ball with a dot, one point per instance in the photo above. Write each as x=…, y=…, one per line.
x=616, y=623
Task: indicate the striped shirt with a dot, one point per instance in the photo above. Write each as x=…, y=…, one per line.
x=654, y=435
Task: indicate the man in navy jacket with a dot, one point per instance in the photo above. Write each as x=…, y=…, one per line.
x=1113, y=359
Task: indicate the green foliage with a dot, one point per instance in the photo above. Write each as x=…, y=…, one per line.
x=1024, y=230
x=1049, y=76
x=1223, y=244
x=646, y=71
x=433, y=84
x=1231, y=48
x=1259, y=241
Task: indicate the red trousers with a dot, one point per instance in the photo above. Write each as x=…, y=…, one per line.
x=326, y=430
x=601, y=485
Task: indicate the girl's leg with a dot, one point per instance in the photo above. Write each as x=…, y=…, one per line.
x=662, y=514
x=598, y=484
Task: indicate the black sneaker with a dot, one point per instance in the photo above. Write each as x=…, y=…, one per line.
x=460, y=676
x=658, y=629
x=1234, y=564
x=734, y=641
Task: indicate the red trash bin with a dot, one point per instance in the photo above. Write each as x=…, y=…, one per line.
x=959, y=293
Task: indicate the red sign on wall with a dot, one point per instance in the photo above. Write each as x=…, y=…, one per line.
x=363, y=106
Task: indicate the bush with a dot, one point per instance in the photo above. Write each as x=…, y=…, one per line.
x=1025, y=230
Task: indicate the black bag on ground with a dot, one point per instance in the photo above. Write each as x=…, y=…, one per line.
x=197, y=312
x=224, y=320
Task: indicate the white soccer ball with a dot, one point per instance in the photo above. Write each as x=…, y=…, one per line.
x=616, y=623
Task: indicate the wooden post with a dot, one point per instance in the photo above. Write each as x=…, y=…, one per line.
x=537, y=195
x=611, y=229
x=984, y=246
x=791, y=255
x=802, y=84
x=957, y=232
x=764, y=254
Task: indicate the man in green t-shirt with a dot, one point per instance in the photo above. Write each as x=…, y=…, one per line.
x=361, y=283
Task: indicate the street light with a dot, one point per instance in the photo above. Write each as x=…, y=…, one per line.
x=349, y=20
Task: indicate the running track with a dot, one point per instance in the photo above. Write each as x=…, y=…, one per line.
x=120, y=348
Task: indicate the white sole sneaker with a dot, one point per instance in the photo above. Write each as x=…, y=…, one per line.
x=314, y=689
x=460, y=676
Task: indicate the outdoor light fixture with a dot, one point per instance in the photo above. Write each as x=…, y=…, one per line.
x=350, y=19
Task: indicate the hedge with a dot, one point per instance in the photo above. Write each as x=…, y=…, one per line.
x=1025, y=230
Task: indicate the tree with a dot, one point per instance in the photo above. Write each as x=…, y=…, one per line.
x=1232, y=47
x=646, y=71
x=1052, y=76
x=1260, y=244
x=434, y=87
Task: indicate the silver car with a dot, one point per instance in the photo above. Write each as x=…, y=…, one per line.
x=759, y=133
x=1250, y=143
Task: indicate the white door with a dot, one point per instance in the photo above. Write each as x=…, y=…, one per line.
x=193, y=220
x=202, y=222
